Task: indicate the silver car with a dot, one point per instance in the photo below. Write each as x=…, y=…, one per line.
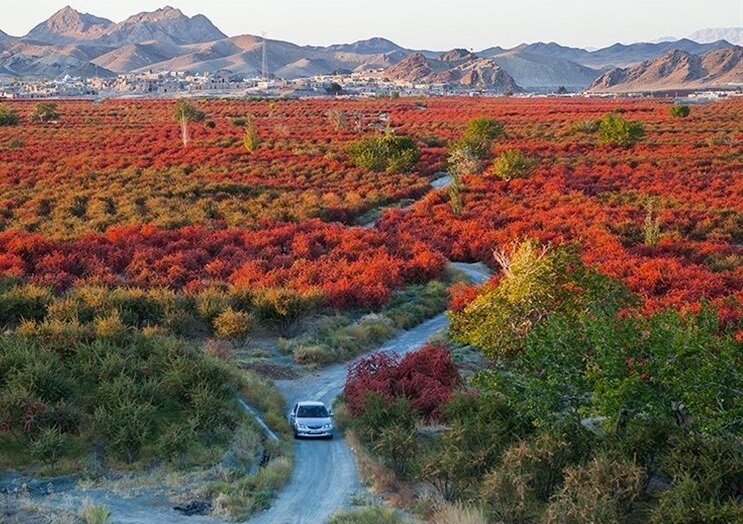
x=311, y=419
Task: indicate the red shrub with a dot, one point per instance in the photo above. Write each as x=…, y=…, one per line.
x=425, y=377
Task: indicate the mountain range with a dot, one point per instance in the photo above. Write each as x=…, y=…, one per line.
x=81, y=44
x=676, y=70
x=734, y=35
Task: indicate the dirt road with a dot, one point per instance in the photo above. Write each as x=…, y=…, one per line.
x=325, y=477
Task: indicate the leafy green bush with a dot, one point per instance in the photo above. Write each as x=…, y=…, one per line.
x=9, y=117
x=45, y=112
x=688, y=503
x=23, y=302
x=483, y=131
x=537, y=282
x=466, y=156
x=60, y=382
x=707, y=475
x=680, y=111
x=513, y=164
x=530, y=472
x=672, y=367
x=232, y=324
x=388, y=427
x=604, y=491
x=388, y=152
x=617, y=130
x=48, y=445
x=481, y=427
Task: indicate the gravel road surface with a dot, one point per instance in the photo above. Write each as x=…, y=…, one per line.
x=325, y=477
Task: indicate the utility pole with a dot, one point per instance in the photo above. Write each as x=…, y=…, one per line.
x=264, y=65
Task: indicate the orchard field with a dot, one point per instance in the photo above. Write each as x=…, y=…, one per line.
x=112, y=181
x=139, y=249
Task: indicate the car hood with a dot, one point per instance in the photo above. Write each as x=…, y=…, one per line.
x=314, y=421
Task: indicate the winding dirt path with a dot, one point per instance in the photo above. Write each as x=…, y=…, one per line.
x=325, y=477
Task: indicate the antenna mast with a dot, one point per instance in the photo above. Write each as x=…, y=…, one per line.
x=264, y=65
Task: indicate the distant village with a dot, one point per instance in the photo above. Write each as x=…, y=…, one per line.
x=220, y=83
x=228, y=84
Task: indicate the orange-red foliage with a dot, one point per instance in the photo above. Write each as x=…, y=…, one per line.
x=126, y=156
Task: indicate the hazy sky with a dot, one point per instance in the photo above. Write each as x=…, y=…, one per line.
x=432, y=24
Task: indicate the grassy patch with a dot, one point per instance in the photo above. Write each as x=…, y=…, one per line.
x=237, y=496
x=369, y=515
x=340, y=337
x=95, y=514
x=261, y=393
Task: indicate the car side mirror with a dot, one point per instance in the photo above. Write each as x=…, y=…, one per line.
x=330, y=412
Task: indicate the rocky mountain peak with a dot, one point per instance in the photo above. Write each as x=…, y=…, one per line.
x=457, y=54
x=68, y=25
x=166, y=13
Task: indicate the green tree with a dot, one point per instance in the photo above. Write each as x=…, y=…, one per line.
x=387, y=152
x=185, y=113
x=680, y=111
x=616, y=130
x=8, y=117
x=481, y=427
x=45, y=112
x=536, y=282
x=334, y=89
x=464, y=159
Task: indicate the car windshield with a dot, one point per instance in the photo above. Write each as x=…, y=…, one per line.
x=312, y=412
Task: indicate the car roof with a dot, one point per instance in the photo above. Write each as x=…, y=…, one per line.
x=310, y=403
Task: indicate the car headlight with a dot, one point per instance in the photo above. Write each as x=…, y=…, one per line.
x=328, y=426
x=302, y=426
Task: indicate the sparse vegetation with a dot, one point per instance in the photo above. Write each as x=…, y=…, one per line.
x=680, y=111
x=387, y=152
x=251, y=140
x=45, y=112
x=95, y=514
x=651, y=227
x=513, y=164
x=339, y=337
x=368, y=515
x=9, y=117
x=616, y=130
x=185, y=113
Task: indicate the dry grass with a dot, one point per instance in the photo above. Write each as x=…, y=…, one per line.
x=95, y=513
x=381, y=480
x=447, y=513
